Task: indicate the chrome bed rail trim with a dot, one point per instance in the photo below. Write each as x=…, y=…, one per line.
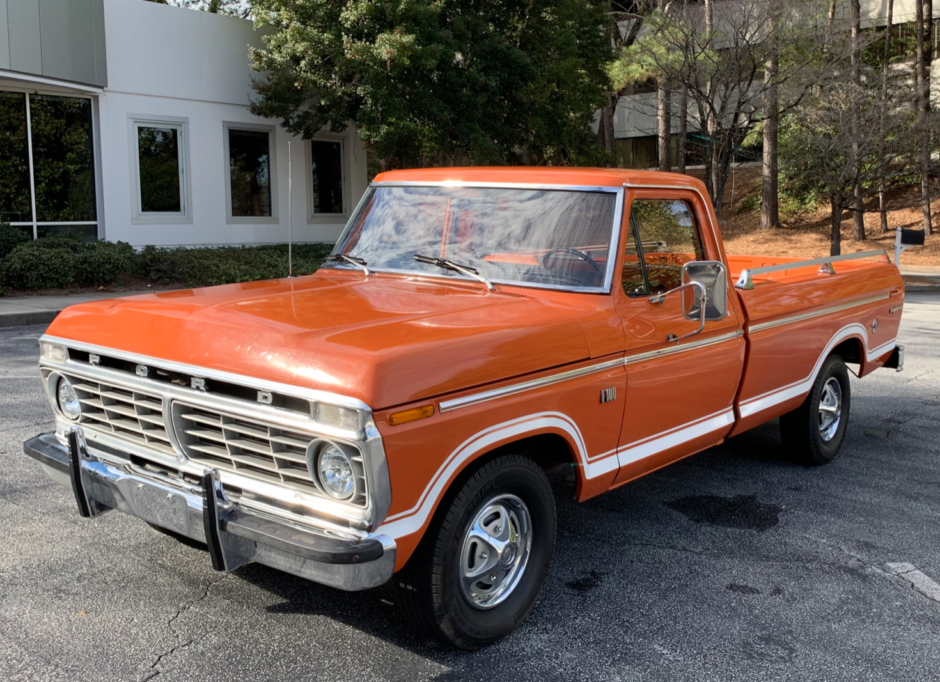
x=746, y=281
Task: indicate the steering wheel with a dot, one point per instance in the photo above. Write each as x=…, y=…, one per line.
x=580, y=254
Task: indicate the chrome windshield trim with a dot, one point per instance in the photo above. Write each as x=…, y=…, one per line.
x=612, y=250
x=476, y=398
x=498, y=185
x=672, y=350
x=260, y=384
x=816, y=313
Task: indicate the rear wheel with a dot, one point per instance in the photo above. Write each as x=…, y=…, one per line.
x=480, y=568
x=814, y=431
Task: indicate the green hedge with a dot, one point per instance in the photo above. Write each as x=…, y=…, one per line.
x=58, y=262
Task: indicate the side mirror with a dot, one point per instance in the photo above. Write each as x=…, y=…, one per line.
x=714, y=278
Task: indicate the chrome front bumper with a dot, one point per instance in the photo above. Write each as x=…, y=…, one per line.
x=234, y=535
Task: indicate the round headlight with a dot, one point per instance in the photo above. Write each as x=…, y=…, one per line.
x=335, y=471
x=68, y=400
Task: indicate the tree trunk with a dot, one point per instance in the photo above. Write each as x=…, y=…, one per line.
x=664, y=124
x=858, y=214
x=683, y=127
x=882, y=162
x=605, y=130
x=924, y=20
x=835, y=227
x=769, y=206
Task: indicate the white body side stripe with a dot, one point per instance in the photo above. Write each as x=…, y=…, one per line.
x=410, y=521
x=802, y=387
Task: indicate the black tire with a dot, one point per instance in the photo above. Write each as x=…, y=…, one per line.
x=802, y=429
x=429, y=588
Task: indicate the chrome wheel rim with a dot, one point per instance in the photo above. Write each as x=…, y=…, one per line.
x=830, y=409
x=495, y=551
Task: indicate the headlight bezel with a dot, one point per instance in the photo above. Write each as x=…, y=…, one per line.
x=60, y=383
x=315, y=455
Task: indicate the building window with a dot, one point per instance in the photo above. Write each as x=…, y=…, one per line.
x=160, y=159
x=327, y=180
x=249, y=157
x=47, y=164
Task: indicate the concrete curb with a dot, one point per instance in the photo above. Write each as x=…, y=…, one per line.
x=23, y=319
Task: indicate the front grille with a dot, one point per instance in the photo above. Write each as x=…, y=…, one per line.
x=252, y=448
x=132, y=415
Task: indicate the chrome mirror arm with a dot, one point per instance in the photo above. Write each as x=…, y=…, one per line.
x=702, y=301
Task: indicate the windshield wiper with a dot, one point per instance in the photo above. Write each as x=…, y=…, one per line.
x=457, y=267
x=352, y=260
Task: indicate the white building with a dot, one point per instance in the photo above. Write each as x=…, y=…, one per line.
x=129, y=120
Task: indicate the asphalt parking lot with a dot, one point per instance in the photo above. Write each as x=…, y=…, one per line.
x=735, y=564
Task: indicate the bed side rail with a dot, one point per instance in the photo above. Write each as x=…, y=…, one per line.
x=746, y=280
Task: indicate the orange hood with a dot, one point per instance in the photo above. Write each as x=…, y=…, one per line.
x=385, y=340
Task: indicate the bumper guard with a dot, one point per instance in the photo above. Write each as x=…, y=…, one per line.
x=233, y=534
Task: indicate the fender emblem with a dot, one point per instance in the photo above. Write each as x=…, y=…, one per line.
x=895, y=308
x=608, y=394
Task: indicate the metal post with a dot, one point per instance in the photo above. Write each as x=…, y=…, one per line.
x=32, y=175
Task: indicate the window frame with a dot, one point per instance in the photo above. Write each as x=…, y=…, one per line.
x=138, y=216
x=227, y=172
x=321, y=218
x=633, y=228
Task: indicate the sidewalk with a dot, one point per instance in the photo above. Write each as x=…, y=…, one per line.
x=22, y=310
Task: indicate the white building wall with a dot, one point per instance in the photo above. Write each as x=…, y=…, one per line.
x=169, y=62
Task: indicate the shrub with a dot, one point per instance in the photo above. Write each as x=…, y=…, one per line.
x=37, y=265
x=10, y=238
x=104, y=263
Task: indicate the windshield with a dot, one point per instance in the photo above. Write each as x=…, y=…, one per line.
x=540, y=237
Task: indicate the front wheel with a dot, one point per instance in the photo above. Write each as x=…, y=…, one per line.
x=480, y=568
x=814, y=431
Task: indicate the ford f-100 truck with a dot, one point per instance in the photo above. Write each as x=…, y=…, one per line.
x=392, y=416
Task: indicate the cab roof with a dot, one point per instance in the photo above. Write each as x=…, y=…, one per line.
x=541, y=175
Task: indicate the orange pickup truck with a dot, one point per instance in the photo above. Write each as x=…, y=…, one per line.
x=392, y=416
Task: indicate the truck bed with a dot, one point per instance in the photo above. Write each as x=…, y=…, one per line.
x=796, y=317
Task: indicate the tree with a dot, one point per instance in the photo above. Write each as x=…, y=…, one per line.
x=717, y=53
x=770, y=172
x=824, y=156
x=922, y=82
x=625, y=20
x=858, y=210
x=427, y=81
x=885, y=71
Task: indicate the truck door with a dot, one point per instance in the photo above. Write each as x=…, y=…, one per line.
x=680, y=394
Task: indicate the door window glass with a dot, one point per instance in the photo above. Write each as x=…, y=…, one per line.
x=663, y=237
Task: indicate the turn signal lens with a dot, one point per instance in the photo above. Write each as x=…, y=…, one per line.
x=53, y=352
x=340, y=417
x=414, y=414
